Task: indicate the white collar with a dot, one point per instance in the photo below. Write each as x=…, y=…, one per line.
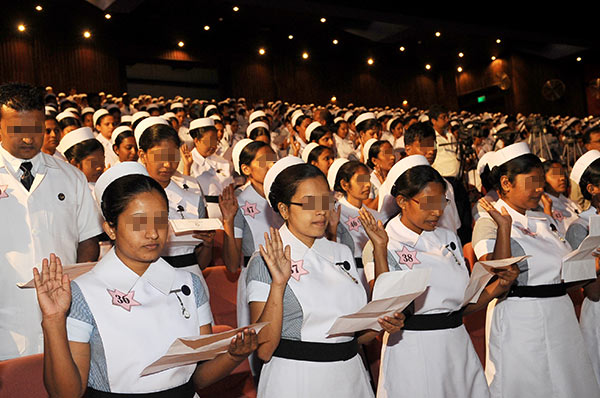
x=522, y=219
x=320, y=245
x=14, y=163
x=116, y=275
x=585, y=215
x=345, y=202
x=401, y=233
x=197, y=157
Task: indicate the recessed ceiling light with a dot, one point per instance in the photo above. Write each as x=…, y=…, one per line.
x=87, y=34
x=107, y=16
x=335, y=41
x=370, y=61
x=305, y=55
x=498, y=41
x=427, y=66
x=39, y=8
x=290, y=37
x=460, y=55
x=181, y=44
x=236, y=8
x=459, y=69
x=323, y=20
x=206, y=27
x=261, y=51
x=438, y=34
x=578, y=59
x=493, y=57
x=21, y=28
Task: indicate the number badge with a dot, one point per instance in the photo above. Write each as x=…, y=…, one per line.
x=123, y=300
x=407, y=257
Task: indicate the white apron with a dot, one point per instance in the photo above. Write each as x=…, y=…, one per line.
x=213, y=174
x=134, y=338
x=324, y=292
x=535, y=345
x=260, y=217
x=432, y=363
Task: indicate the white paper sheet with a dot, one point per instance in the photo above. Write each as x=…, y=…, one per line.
x=393, y=292
x=73, y=270
x=186, y=225
x=580, y=264
x=189, y=350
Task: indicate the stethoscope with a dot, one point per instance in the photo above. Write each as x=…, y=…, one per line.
x=185, y=289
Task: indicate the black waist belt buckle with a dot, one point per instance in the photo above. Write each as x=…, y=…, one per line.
x=185, y=260
x=444, y=320
x=186, y=390
x=316, y=352
x=540, y=291
x=211, y=199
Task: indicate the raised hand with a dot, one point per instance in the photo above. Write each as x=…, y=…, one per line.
x=186, y=158
x=502, y=219
x=243, y=344
x=373, y=228
x=392, y=324
x=334, y=219
x=228, y=203
x=547, y=204
x=277, y=258
x=53, y=288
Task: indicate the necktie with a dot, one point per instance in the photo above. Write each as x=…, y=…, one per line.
x=27, y=177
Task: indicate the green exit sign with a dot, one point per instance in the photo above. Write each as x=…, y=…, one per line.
x=481, y=99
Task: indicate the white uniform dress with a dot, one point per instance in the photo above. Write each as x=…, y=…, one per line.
x=450, y=218
x=254, y=217
x=535, y=345
x=185, y=201
x=431, y=363
x=110, y=157
x=54, y=216
x=130, y=321
x=350, y=222
x=214, y=174
x=564, y=212
x=318, y=292
x=375, y=185
x=343, y=146
x=589, y=319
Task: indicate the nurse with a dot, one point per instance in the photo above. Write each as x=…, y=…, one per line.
x=101, y=330
x=105, y=124
x=556, y=204
x=319, y=156
x=535, y=344
x=83, y=151
x=124, y=144
x=379, y=156
x=247, y=217
x=586, y=174
x=301, y=283
x=159, y=151
x=433, y=356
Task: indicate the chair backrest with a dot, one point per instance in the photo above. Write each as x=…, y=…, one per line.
x=22, y=377
x=222, y=286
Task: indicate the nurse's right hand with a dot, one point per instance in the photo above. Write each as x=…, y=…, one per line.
x=53, y=288
x=277, y=258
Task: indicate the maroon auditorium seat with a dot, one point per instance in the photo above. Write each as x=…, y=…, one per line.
x=475, y=322
x=22, y=377
x=222, y=286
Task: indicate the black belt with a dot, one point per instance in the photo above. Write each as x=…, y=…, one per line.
x=542, y=291
x=246, y=261
x=316, y=352
x=211, y=199
x=184, y=260
x=358, y=262
x=186, y=390
x=445, y=320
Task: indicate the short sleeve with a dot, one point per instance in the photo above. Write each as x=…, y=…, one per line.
x=484, y=236
x=238, y=225
x=344, y=237
x=80, y=321
x=576, y=234
x=393, y=264
x=201, y=206
x=258, y=280
x=202, y=303
x=88, y=216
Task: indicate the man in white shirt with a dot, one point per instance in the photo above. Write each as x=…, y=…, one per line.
x=446, y=161
x=45, y=207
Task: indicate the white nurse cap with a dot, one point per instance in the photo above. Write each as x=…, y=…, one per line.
x=311, y=127
x=126, y=119
x=387, y=203
x=364, y=117
x=484, y=161
x=338, y=119
x=237, y=150
x=295, y=116
x=274, y=171
x=333, y=171
x=168, y=115
x=75, y=137
x=209, y=108
x=176, y=105
x=510, y=152
x=115, y=172
x=98, y=114
x=255, y=125
x=87, y=109
x=367, y=148
x=202, y=122
x=256, y=114
x=64, y=115
x=139, y=115
x=582, y=164
x=116, y=132
x=307, y=150
x=144, y=124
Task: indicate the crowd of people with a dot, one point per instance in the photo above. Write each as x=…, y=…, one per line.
x=303, y=193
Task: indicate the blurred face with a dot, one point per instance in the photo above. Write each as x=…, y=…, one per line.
x=324, y=161
x=180, y=114
x=92, y=165
x=263, y=161
x=88, y=120
x=343, y=130
x=398, y=131
x=423, y=211
x=426, y=147
x=127, y=151
x=174, y=122
x=220, y=130
x=594, y=142
x=359, y=186
x=307, y=218
x=302, y=128
x=440, y=123
x=525, y=192
x=386, y=159
x=105, y=126
x=207, y=144
x=68, y=129
x=556, y=178
x=141, y=230
x=161, y=161
x=52, y=136
x=375, y=132
x=22, y=133
x=326, y=140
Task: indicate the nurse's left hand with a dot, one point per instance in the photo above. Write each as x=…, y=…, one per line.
x=392, y=324
x=243, y=344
